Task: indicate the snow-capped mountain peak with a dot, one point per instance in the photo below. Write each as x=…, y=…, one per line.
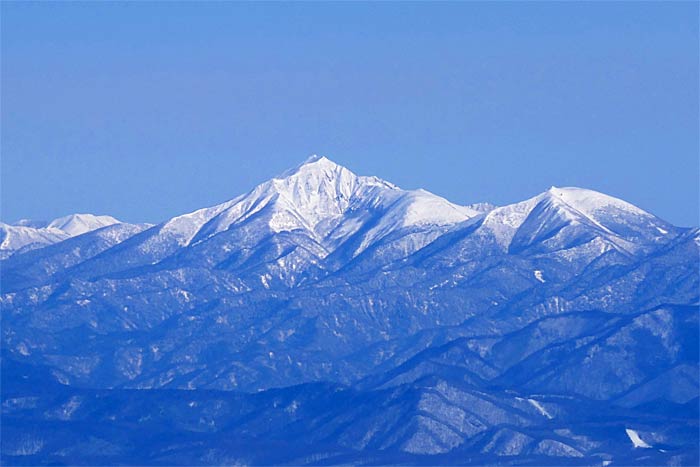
x=319, y=188
x=27, y=234
x=314, y=163
x=319, y=195
x=16, y=237
x=319, y=176
x=612, y=215
x=590, y=202
x=76, y=224
x=558, y=207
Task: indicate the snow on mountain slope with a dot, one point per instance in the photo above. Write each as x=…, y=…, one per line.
x=30, y=223
x=180, y=230
x=76, y=224
x=51, y=261
x=554, y=226
x=331, y=217
x=319, y=206
x=14, y=238
x=592, y=203
x=615, y=215
x=320, y=195
x=28, y=235
x=311, y=220
x=480, y=331
x=314, y=196
x=565, y=216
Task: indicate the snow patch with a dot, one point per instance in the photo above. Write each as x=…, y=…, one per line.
x=292, y=408
x=23, y=350
x=540, y=408
x=636, y=440
x=538, y=276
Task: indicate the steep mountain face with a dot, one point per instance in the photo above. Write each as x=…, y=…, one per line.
x=344, y=320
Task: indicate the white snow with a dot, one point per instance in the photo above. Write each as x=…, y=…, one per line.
x=292, y=408
x=540, y=408
x=310, y=196
x=504, y=221
x=183, y=228
x=538, y=275
x=636, y=440
x=22, y=349
x=591, y=202
x=330, y=205
x=15, y=237
x=571, y=206
x=184, y=294
x=76, y=224
x=28, y=234
x=423, y=207
x=328, y=202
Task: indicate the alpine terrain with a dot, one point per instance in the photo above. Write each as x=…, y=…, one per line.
x=329, y=318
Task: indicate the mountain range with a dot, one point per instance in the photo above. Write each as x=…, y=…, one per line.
x=330, y=318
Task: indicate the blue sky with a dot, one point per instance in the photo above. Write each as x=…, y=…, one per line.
x=148, y=110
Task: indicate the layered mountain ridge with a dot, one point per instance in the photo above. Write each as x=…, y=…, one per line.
x=533, y=333
x=26, y=235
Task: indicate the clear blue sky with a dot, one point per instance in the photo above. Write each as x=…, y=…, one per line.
x=148, y=110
